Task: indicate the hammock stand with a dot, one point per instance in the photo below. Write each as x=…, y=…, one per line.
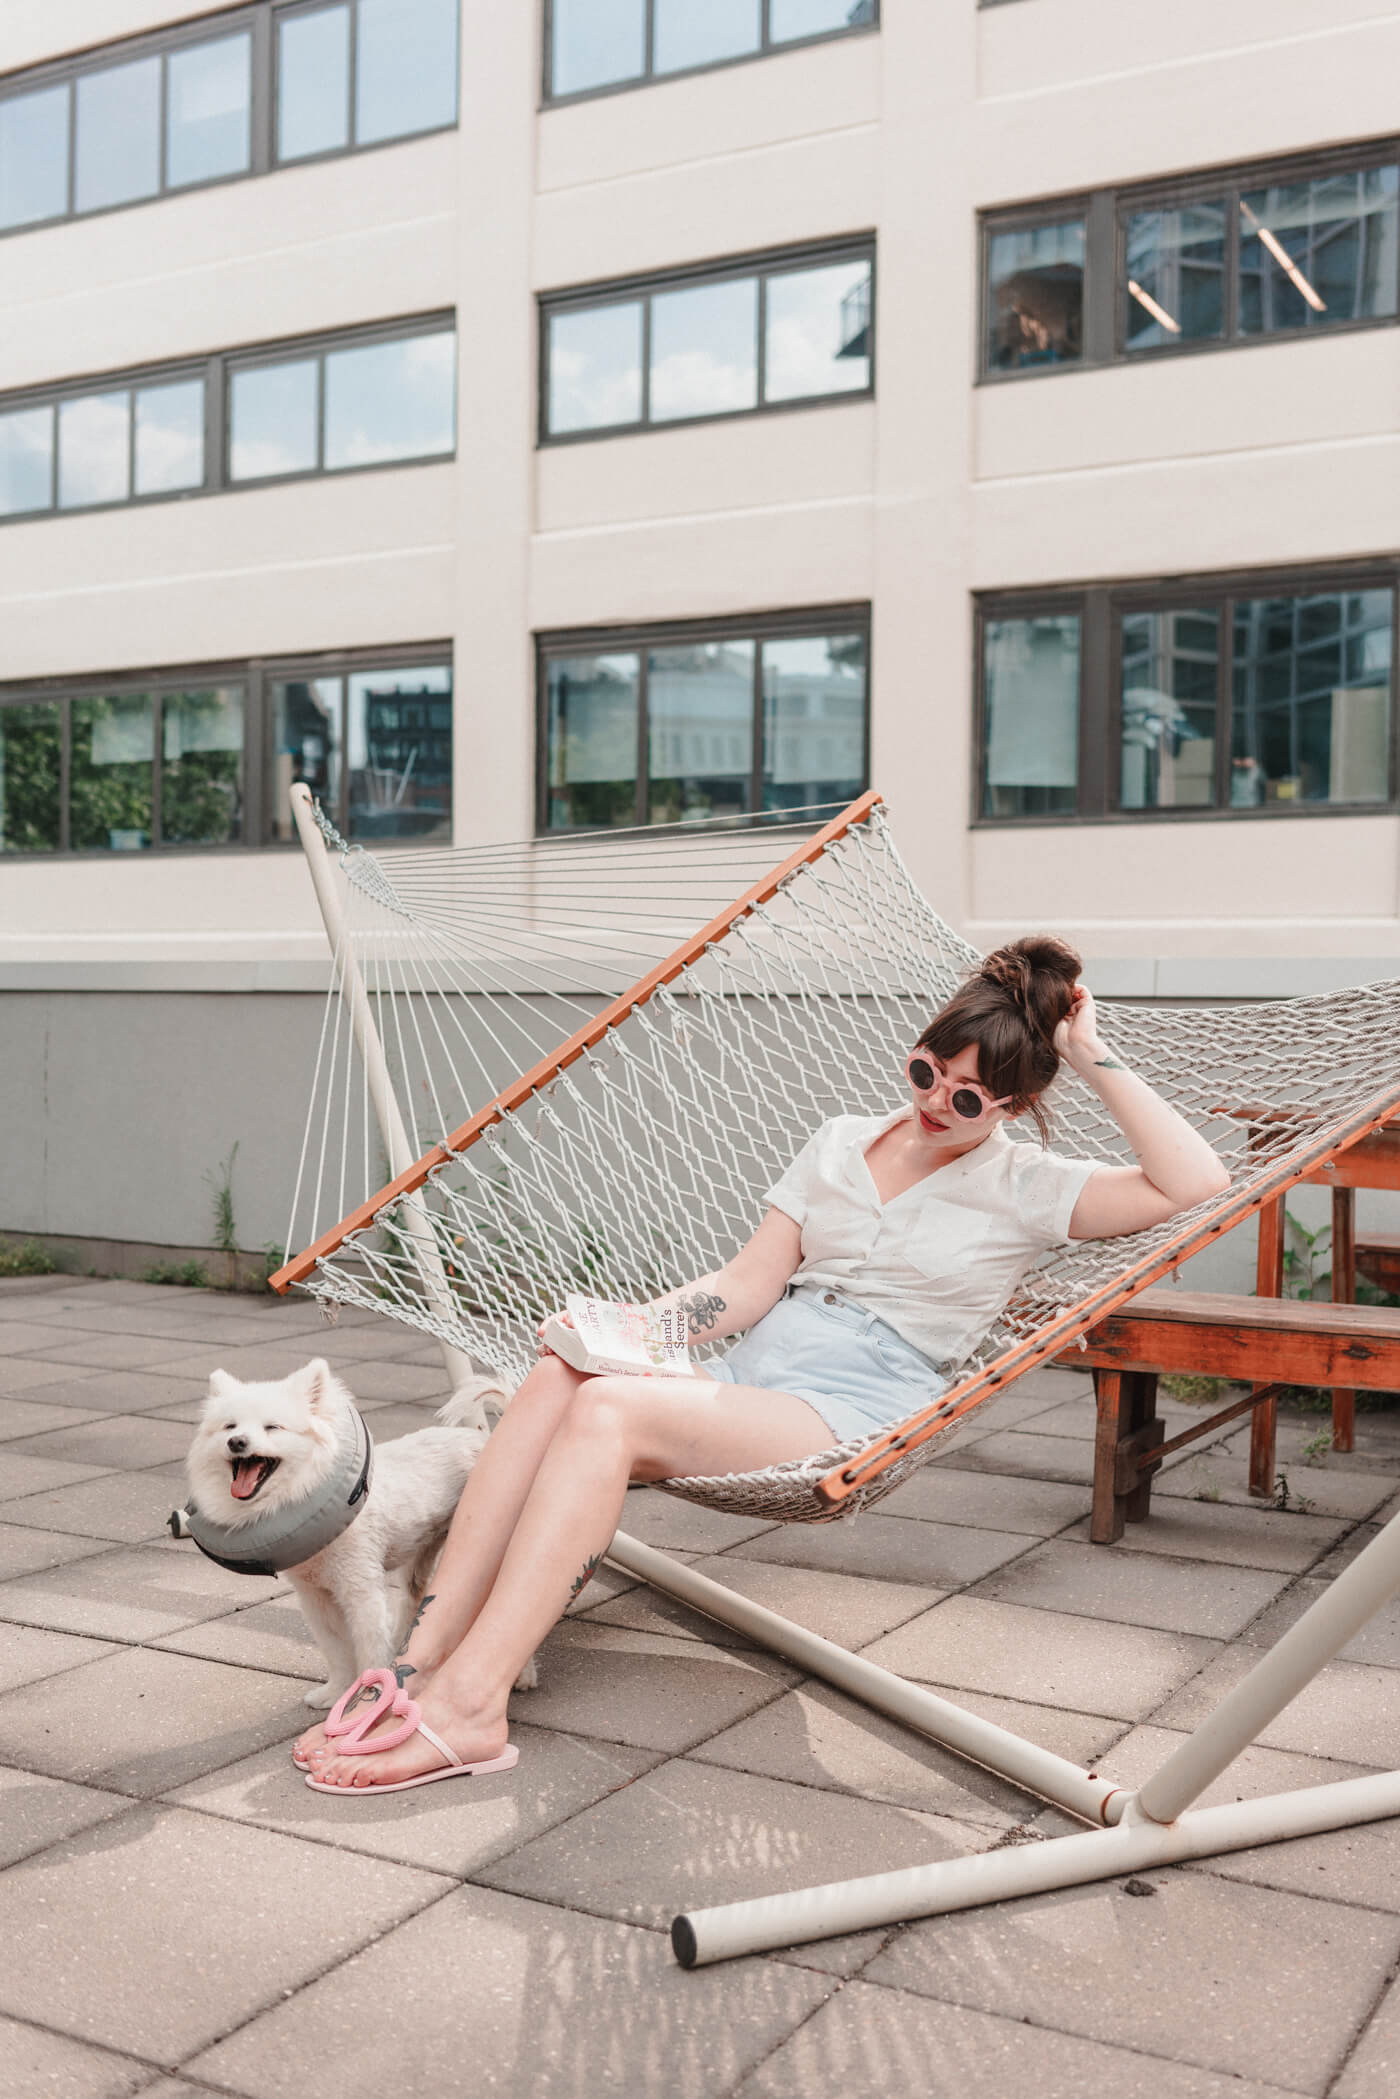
x=399, y=1253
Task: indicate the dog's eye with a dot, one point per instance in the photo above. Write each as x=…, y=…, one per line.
x=274, y=1428
x=230, y=1424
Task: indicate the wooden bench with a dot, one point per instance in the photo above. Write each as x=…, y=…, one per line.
x=1267, y=1342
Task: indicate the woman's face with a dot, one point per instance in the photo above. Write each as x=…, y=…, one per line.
x=934, y=1114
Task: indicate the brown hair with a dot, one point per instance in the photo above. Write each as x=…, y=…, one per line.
x=1010, y=1007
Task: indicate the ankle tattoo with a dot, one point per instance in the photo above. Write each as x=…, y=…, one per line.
x=418, y=1614
x=585, y=1574
x=402, y=1671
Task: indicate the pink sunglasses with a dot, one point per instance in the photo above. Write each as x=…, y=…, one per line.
x=966, y=1099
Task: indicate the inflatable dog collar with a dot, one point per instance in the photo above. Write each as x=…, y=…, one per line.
x=285, y=1537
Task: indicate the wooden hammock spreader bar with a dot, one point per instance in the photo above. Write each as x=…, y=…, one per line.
x=577, y=1045
x=843, y=1480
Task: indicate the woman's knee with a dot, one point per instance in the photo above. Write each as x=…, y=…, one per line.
x=599, y=1409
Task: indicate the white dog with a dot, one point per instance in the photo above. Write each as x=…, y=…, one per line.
x=261, y=1450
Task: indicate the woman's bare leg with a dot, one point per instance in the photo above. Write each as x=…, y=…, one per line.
x=615, y=1430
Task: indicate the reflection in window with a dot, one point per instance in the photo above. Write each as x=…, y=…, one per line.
x=201, y=776
x=1176, y=275
x=405, y=68
x=1035, y=303
x=794, y=18
x=603, y=43
x=26, y=461
x=31, y=740
x=313, y=83
x=817, y=331
x=593, y=42
x=813, y=721
x=704, y=350
x=1031, y=715
x=391, y=400
x=306, y=742
x=272, y=420
x=34, y=156
x=595, y=367
x=109, y=792
x=169, y=437
x=118, y=124
x=208, y=105
x=1311, y=719
x=1313, y=253
x=1170, y=662
x=591, y=707
x=700, y=730
x=94, y=445
x=687, y=35
x=398, y=744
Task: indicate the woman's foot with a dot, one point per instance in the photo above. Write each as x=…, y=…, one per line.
x=474, y=1736
x=310, y=1750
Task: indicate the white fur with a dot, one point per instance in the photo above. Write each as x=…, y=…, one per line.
x=360, y=1592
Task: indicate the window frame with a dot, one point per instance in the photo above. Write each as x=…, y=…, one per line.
x=277, y=10
x=795, y=625
x=1101, y=606
x=648, y=77
x=760, y=265
x=1106, y=213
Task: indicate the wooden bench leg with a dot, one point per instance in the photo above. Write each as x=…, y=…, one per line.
x=1343, y=1293
x=1127, y=1428
x=1263, y=1433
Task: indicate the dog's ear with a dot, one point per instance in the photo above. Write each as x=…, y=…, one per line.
x=316, y=1382
x=221, y=1385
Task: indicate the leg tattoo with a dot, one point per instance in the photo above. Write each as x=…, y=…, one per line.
x=418, y=1614
x=585, y=1574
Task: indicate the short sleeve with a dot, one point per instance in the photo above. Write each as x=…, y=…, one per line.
x=1049, y=1187
x=792, y=1193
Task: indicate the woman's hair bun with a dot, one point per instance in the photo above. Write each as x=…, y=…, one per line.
x=1039, y=974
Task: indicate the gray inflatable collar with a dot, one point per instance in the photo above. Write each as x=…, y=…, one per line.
x=285, y=1537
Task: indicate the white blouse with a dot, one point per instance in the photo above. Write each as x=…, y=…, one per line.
x=938, y=1262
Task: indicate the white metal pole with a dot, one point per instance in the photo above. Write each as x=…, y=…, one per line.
x=1135, y=1844
x=1356, y=1594
x=416, y=1224
x=1040, y=1771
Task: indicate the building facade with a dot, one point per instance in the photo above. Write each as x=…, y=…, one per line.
x=608, y=411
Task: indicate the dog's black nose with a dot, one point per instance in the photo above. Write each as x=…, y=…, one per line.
x=237, y=1445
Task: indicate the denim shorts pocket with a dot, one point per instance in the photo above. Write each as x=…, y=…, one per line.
x=901, y=1361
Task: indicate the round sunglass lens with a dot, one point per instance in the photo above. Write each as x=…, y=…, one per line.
x=922, y=1073
x=967, y=1103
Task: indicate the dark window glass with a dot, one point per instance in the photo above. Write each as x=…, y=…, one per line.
x=26, y=460
x=201, y=777
x=813, y=721
x=591, y=740
x=391, y=400
x=1031, y=701
x=272, y=420
x=793, y=18
x=595, y=367
x=169, y=437
x=1176, y=275
x=305, y=744
x=34, y=156
x=209, y=100
x=1313, y=253
x=94, y=450
x=118, y=119
x=109, y=794
x=399, y=765
x=1312, y=679
x=700, y=724
x=1170, y=661
x=594, y=42
x=1035, y=296
x=817, y=331
x=704, y=350
x=30, y=747
x=313, y=83
x=687, y=35
x=405, y=68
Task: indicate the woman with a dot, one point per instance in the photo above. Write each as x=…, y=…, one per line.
x=886, y=1252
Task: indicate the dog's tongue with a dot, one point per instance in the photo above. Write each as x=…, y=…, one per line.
x=247, y=1472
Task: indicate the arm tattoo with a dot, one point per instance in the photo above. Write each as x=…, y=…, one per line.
x=418, y=1614
x=585, y=1574
x=1109, y=1064
x=701, y=1309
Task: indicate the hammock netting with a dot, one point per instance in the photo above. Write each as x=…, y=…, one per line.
x=643, y=1163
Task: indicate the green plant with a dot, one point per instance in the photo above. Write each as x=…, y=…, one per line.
x=224, y=1227
x=1317, y=1445
x=1285, y=1500
x=28, y=1258
x=1193, y=1389
x=1302, y=1252
x=273, y=1258
x=192, y=1274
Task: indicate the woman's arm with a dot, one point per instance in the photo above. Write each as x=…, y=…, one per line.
x=1176, y=1167
x=739, y=1294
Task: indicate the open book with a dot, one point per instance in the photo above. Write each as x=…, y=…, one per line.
x=629, y=1340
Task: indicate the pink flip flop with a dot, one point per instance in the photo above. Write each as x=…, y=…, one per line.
x=349, y=1736
x=335, y=1722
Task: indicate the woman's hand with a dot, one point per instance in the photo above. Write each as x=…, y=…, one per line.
x=542, y=1347
x=1077, y=1037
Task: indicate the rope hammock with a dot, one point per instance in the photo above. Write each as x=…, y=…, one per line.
x=670, y=1075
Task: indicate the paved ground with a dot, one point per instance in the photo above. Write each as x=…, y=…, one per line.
x=179, y=1915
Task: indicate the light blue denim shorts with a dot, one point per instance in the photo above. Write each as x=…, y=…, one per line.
x=853, y=1369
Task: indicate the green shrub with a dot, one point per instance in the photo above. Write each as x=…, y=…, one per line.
x=28, y=1258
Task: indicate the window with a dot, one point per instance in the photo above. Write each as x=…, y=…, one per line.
x=203, y=759
x=794, y=328
x=596, y=44
x=228, y=96
x=375, y=397
x=735, y=719
x=1244, y=255
x=1273, y=692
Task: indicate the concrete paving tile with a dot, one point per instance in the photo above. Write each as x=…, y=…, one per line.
x=451, y=1828
x=1252, y=1978
x=130, y=1593
x=1040, y=1457
x=995, y=1501
x=25, y=1551
x=1374, y=2069
x=125, y=1507
x=1349, y=1546
x=117, y=1442
x=17, y=1290
x=21, y=1475
x=398, y=1417
x=230, y=1918
x=889, y=1548
x=1138, y=1588
x=19, y=1374
x=26, y=1417
x=187, y=1410
x=819, y=1738
x=493, y=1996
x=1046, y=1657
x=271, y=1635
x=19, y=1337
x=1349, y=1712
x=141, y=1722
x=1082, y=1737
x=29, y=1653
x=39, y=2065
x=37, y=1811
x=1223, y=1475
x=620, y=1686
x=1378, y=1641
x=1253, y=1775
x=111, y=1351
x=840, y=1608
x=1235, y=1534
x=424, y=1383
x=260, y=1362
x=103, y=1391
x=672, y=1525
x=870, y=2043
